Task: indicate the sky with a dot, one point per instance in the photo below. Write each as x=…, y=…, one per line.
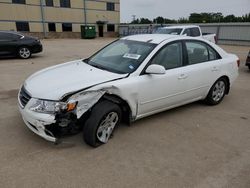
x=174, y=9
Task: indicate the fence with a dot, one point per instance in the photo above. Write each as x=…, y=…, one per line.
x=227, y=33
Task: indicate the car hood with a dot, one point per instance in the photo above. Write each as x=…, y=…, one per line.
x=54, y=82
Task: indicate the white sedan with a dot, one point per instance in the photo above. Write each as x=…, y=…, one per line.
x=131, y=78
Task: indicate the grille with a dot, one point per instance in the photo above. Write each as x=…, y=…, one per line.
x=24, y=97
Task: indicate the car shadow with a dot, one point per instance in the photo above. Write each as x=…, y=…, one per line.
x=17, y=58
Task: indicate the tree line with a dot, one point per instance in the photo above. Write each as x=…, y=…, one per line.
x=196, y=18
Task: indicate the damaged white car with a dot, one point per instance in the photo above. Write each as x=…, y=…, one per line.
x=131, y=78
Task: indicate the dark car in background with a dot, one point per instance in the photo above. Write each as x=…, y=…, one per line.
x=16, y=44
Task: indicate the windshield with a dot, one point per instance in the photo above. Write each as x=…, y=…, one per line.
x=171, y=31
x=122, y=56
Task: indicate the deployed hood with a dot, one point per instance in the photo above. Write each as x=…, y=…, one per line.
x=54, y=82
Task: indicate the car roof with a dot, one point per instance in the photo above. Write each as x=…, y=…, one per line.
x=150, y=38
x=181, y=26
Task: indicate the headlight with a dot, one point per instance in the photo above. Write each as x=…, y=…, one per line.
x=51, y=107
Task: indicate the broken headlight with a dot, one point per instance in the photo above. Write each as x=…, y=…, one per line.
x=51, y=107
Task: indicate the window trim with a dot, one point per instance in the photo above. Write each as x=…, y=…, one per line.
x=206, y=45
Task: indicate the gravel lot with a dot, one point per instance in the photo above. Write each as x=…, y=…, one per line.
x=190, y=146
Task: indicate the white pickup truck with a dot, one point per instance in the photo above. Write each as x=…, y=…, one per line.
x=187, y=30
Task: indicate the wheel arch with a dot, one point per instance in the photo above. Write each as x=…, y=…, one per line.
x=228, y=83
x=126, y=110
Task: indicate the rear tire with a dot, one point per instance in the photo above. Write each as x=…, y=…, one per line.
x=217, y=92
x=249, y=67
x=24, y=52
x=104, y=118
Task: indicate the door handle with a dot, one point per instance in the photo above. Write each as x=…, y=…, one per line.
x=215, y=69
x=182, y=76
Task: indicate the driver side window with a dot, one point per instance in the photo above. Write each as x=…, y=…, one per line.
x=169, y=56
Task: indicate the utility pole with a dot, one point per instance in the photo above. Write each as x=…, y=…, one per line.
x=133, y=17
x=43, y=17
x=85, y=12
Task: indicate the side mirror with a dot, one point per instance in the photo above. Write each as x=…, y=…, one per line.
x=155, y=69
x=185, y=34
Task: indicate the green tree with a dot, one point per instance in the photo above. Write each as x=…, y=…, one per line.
x=145, y=21
x=195, y=18
x=230, y=18
x=183, y=20
x=159, y=20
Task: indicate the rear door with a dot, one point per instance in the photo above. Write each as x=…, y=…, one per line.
x=204, y=68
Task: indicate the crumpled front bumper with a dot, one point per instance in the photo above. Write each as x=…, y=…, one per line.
x=37, y=122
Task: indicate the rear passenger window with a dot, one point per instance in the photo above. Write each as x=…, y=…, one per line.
x=197, y=52
x=213, y=55
x=169, y=56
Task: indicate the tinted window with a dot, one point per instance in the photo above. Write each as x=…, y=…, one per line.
x=19, y=1
x=111, y=6
x=67, y=27
x=10, y=36
x=22, y=26
x=169, y=56
x=197, y=52
x=65, y=3
x=111, y=27
x=195, y=32
x=52, y=26
x=49, y=3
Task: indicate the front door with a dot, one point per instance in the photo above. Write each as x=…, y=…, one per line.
x=159, y=92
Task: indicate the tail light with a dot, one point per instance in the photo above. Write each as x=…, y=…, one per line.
x=238, y=63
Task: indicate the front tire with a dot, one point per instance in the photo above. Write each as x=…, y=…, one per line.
x=24, y=52
x=249, y=67
x=217, y=92
x=105, y=116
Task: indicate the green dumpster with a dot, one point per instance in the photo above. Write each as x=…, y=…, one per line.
x=88, y=32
